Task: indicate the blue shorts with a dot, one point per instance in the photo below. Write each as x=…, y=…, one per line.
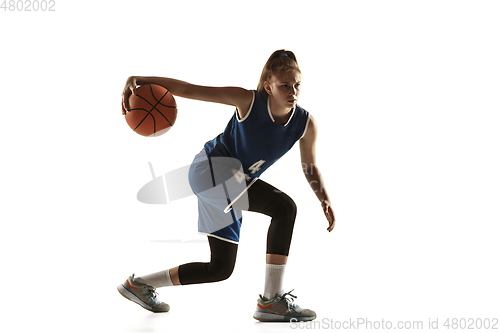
x=218, y=182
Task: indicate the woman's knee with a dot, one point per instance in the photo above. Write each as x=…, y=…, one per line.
x=222, y=259
x=284, y=206
x=220, y=270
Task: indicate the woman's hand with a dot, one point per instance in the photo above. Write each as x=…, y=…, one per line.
x=130, y=89
x=327, y=209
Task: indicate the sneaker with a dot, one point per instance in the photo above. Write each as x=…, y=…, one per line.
x=142, y=294
x=281, y=308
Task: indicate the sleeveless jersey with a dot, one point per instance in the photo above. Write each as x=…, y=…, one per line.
x=256, y=140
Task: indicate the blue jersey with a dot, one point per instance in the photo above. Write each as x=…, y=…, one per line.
x=256, y=140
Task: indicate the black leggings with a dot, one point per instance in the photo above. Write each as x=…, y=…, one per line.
x=263, y=198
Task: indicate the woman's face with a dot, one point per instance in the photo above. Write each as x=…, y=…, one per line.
x=285, y=88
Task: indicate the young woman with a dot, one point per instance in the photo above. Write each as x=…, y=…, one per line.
x=224, y=175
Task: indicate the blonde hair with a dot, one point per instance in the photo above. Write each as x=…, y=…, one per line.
x=279, y=62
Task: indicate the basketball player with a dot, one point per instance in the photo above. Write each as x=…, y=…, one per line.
x=266, y=124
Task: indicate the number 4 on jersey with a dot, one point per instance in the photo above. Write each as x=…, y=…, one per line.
x=256, y=166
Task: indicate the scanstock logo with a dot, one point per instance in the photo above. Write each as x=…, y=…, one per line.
x=218, y=182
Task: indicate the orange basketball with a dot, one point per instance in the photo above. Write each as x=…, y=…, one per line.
x=153, y=110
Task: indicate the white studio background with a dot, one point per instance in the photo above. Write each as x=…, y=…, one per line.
x=406, y=97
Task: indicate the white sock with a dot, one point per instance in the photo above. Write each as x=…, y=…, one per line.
x=274, y=280
x=156, y=280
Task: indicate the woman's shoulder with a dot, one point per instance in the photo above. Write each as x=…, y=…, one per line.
x=258, y=102
x=302, y=113
x=245, y=105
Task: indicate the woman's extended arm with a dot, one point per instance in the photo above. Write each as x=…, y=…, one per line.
x=238, y=97
x=311, y=170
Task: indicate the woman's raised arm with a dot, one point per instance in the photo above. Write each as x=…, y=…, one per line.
x=239, y=97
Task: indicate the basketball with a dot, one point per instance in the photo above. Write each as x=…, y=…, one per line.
x=152, y=112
